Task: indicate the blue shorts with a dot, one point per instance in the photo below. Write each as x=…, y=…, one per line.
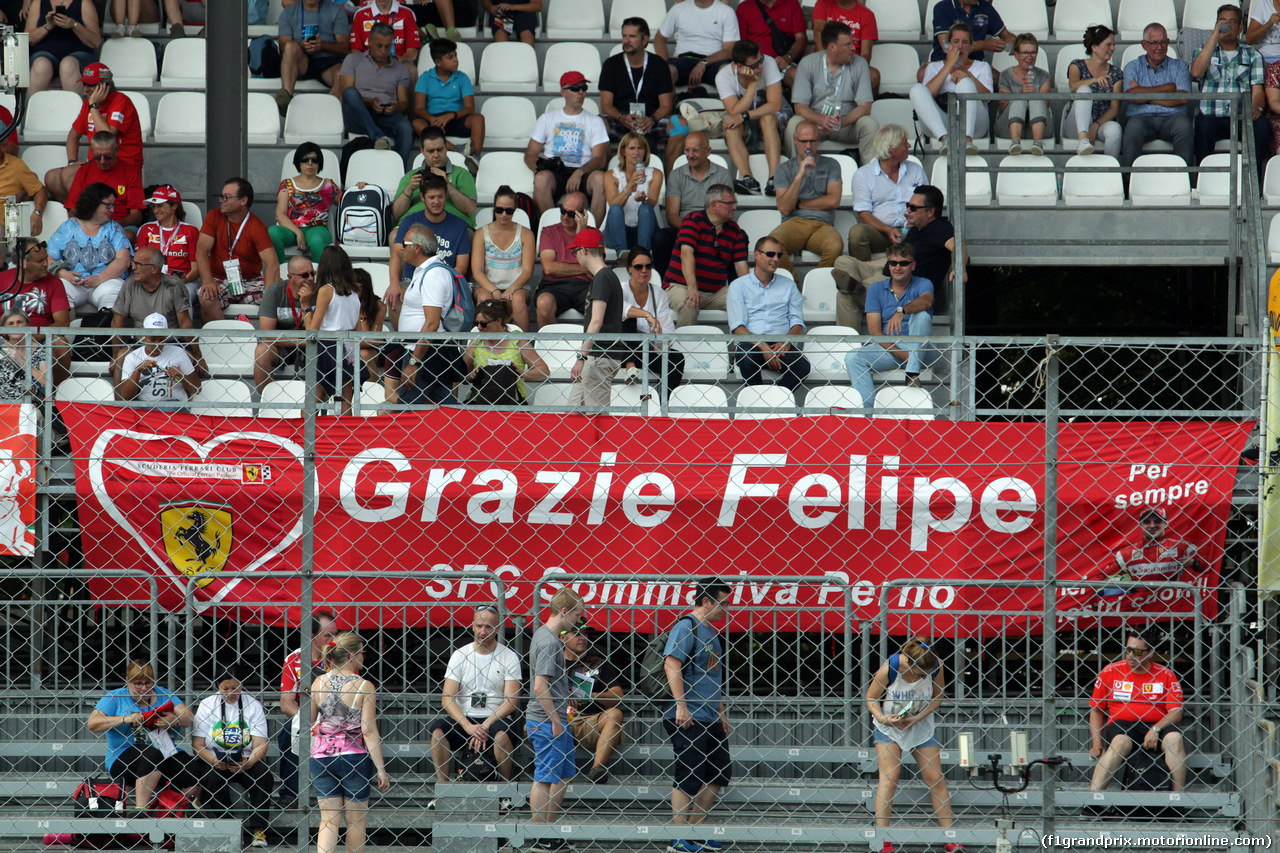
x=84, y=57
x=345, y=776
x=552, y=756
x=882, y=738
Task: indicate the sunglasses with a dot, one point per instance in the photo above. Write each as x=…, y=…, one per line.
x=914, y=207
x=642, y=267
x=303, y=274
x=771, y=254
x=505, y=211
x=225, y=197
x=753, y=65
x=900, y=263
x=315, y=160
x=1137, y=653
x=576, y=87
x=564, y=211
x=480, y=324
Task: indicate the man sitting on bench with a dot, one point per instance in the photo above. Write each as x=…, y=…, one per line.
x=1136, y=701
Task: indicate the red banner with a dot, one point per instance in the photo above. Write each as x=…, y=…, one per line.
x=528, y=496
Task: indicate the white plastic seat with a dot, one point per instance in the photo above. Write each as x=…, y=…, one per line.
x=379, y=272
x=1133, y=51
x=1270, y=183
x=1169, y=185
x=685, y=401
x=704, y=360
x=826, y=351
x=508, y=121
x=49, y=116
x=1203, y=14
x=653, y=11
x=1273, y=240
x=1066, y=55
x=184, y=65
x=552, y=216
x=54, y=215
x=180, y=118
x=832, y=400
x=847, y=168
x=570, y=56
x=373, y=166
x=229, y=356
x=977, y=184
x=569, y=20
x=896, y=111
x=41, y=158
x=132, y=62
x=557, y=102
x=1213, y=189
x=283, y=398
x=904, y=397
x=759, y=223
x=819, y=296
x=372, y=395
x=85, y=389
x=466, y=61
x=1092, y=189
x=228, y=398
x=502, y=167
x=1134, y=15
x=765, y=401
x=1025, y=181
x=559, y=353
x=274, y=8
x=263, y=123
x=1025, y=16
x=629, y=400
x=192, y=213
x=314, y=118
x=895, y=20
x=897, y=64
x=1072, y=18
x=509, y=66
x=484, y=215
x=331, y=168
x=143, y=107
x=551, y=395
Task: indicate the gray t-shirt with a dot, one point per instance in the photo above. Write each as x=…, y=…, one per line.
x=170, y=299
x=824, y=171
x=692, y=192
x=546, y=658
x=328, y=22
x=372, y=80
x=815, y=85
x=275, y=303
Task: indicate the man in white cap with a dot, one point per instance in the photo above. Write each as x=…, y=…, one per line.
x=157, y=372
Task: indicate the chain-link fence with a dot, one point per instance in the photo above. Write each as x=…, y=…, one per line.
x=1050, y=494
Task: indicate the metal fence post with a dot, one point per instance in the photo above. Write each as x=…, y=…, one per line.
x=308, y=543
x=1049, y=705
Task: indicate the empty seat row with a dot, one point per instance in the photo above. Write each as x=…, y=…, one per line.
x=750, y=402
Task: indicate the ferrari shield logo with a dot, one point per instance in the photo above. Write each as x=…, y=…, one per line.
x=197, y=538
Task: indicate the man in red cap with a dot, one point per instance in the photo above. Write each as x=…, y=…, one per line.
x=599, y=359
x=18, y=180
x=568, y=149
x=105, y=166
x=105, y=108
x=1155, y=554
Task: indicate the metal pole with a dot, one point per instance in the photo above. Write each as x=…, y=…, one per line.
x=957, y=163
x=307, y=603
x=226, y=95
x=1048, y=702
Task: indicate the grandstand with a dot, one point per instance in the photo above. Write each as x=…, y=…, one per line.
x=1020, y=650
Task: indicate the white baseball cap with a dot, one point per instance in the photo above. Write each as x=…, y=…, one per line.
x=155, y=321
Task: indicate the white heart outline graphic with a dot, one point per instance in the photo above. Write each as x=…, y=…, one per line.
x=99, y=487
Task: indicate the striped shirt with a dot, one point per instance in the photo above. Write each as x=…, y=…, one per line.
x=715, y=252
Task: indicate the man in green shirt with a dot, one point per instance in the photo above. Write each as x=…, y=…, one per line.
x=461, y=201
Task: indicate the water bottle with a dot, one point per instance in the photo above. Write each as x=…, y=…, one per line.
x=1224, y=28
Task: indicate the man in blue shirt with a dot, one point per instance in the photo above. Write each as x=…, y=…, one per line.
x=897, y=306
x=696, y=721
x=765, y=303
x=1156, y=73
x=989, y=31
x=452, y=235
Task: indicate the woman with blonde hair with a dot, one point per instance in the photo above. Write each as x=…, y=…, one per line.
x=632, y=189
x=1026, y=78
x=902, y=698
x=346, y=749
x=141, y=746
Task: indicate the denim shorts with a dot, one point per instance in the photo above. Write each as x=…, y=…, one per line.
x=552, y=756
x=345, y=776
x=879, y=737
x=84, y=57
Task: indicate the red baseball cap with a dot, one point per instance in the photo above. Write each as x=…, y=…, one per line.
x=95, y=73
x=572, y=78
x=588, y=238
x=164, y=193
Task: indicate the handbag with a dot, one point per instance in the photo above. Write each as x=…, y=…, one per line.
x=710, y=122
x=782, y=43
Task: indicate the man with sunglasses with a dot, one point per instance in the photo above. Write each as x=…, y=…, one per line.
x=282, y=308
x=565, y=281
x=1154, y=554
x=105, y=108
x=568, y=149
x=106, y=167
x=1136, y=701
x=710, y=251
x=765, y=303
x=809, y=189
x=148, y=291
x=898, y=306
x=751, y=91
x=1156, y=73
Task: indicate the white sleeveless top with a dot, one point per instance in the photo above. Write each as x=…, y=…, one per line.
x=898, y=694
x=631, y=208
x=343, y=315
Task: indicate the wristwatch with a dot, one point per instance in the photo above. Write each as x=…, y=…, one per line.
x=413, y=362
x=900, y=311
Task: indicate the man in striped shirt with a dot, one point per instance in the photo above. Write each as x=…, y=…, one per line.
x=710, y=251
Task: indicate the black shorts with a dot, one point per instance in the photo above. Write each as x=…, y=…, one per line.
x=657, y=137
x=318, y=63
x=464, y=14
x=685, y=64
x=701, y=755
x=457, y=736
x=180, y=769
x=562, y=173
x=327, y=367
x=456, y=127
x=1136, y=730
x=568, y=293
x=520, y=22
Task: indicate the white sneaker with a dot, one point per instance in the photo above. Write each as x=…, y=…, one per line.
x=1015, y=148
x=632, y=376
x=1085, y=147
x=1036, y=150
x=970, y=148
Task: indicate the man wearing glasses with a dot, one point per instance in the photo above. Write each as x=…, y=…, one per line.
x=1225, y=66
x=1136, y=701
x=1155, y=554
x=1156, y=73
x=105, y=108
x=282, y=308
x=234, y=254
x=146, y=292
x=898, y=306
x=809, y=189
x=832, y=90
x=765, y=303
x=568, y=148
x=710, y=251
x=565, y=281
x=106, y=167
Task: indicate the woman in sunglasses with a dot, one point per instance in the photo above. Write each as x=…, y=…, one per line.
x=632, y=190
x=646, y=309
x=303, y=205
x=504, y=253
x=171, y=236
x=493, y=318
